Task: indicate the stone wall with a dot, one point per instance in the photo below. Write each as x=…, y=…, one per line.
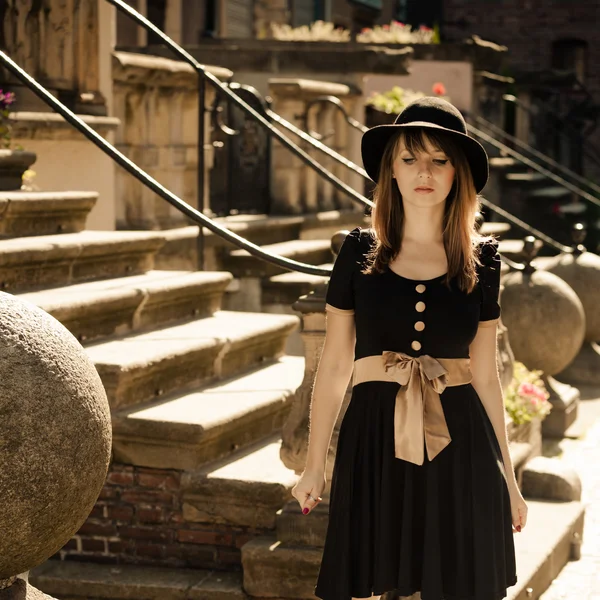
x=156, y=100
x=139, y=519
x=296, y=187
x=57, y=43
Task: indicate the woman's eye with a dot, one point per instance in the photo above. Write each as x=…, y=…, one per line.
x=440, y=161
x=408, y=161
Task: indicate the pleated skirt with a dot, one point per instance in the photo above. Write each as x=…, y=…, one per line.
x=443, y=528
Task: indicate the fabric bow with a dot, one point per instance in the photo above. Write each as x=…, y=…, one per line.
x=418, y=412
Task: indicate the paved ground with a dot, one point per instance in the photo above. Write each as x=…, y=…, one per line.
x=580, y=580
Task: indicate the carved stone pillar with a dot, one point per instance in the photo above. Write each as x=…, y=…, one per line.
x=57, y=42
x=296, y=187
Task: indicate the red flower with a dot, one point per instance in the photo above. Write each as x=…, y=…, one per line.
x=386, y=27
x=439, y=89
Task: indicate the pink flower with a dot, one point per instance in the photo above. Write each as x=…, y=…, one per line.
x=365, y=29
x=439, y=89
x=526, y=389
x=385, y=27
x=399, y=23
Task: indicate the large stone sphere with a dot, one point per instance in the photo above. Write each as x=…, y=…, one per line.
x=582, y=273
x=55, y=436
x=545, y=319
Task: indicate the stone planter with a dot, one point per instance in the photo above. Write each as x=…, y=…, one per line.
x=13, y=163
x=374, y=116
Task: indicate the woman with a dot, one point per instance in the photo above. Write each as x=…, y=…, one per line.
x=423, y=493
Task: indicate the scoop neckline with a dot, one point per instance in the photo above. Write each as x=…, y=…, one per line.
x=439, y=277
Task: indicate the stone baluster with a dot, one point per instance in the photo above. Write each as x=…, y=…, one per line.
x=297, y=189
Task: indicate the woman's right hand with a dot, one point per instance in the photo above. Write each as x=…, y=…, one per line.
x=311, y=483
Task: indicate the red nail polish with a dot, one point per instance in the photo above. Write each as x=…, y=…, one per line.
x=305, y=511
x=519, y=528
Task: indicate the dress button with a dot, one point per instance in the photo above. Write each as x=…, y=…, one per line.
x=420, y=306
x=419, y=325
x=415, y=345
x=420, y=288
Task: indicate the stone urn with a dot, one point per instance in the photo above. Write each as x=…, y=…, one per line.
x=581, y=270
x=546, y=321
x=13, y=163
x=56, y=440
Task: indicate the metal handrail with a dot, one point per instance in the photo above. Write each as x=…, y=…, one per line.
x=511, y=152
x=541, y=156
x=233, y=97
x=589, y=150
x=304, y=136
x=150, y=182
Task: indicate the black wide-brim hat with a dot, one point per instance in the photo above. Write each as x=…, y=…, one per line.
x=429, y=113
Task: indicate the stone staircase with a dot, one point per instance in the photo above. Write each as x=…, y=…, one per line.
x=533, y=198
x=198, y=396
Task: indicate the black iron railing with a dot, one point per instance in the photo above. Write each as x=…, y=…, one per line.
x=546, y=239
x=195, y=215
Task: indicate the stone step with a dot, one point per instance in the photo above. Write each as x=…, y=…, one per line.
x=313, y=252
x=527, y=178
x=141, y=367
x=244, y=490
x=191, y=429
x=55, y=260
x=286, y=288
x=513, y=249
x=179, y=250
x=85, y=581
x=551, y=192
x=541, y=552
x=44, y=213
x=496, y=228
x=116, y=306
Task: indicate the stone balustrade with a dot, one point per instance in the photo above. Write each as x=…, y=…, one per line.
x=296, y=188
x=156, y=100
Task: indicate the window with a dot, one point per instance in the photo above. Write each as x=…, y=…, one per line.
x=571, y=55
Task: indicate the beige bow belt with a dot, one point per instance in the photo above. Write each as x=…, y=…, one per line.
x=418, y=413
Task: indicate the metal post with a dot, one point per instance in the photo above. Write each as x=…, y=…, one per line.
x=201, y=162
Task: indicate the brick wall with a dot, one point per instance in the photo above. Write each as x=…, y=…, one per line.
x=138, y=520
x=528, y=28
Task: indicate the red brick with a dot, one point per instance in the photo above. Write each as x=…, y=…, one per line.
x=70, y=545
x=175, y=517
x=120, y=546
x=153, y=534
x=147, y=497
x=199, y=536
x=229, y=556
x=97, y=512
x=150, y=550
x=116, y=478
x=159, y=480
x=109, y=493
x=88, y=545
x=100, y=529
x=243, y=538
x=120, y=513
x=149, y=515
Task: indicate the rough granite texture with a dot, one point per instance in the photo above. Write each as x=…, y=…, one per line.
x=55, y=436
x=21, y=590
x=545, y=319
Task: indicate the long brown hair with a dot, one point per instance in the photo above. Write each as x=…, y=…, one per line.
x=461, y=239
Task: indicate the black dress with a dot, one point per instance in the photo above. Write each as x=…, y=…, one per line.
x=443, y=528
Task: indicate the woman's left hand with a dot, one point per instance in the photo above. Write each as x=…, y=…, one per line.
x=518, y=508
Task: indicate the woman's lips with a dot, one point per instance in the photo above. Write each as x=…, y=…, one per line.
x=423, y=190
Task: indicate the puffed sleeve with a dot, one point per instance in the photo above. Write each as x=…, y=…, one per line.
x=489, y=282
x=340, y=291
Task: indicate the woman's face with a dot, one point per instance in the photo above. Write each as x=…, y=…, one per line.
x=425, y=179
